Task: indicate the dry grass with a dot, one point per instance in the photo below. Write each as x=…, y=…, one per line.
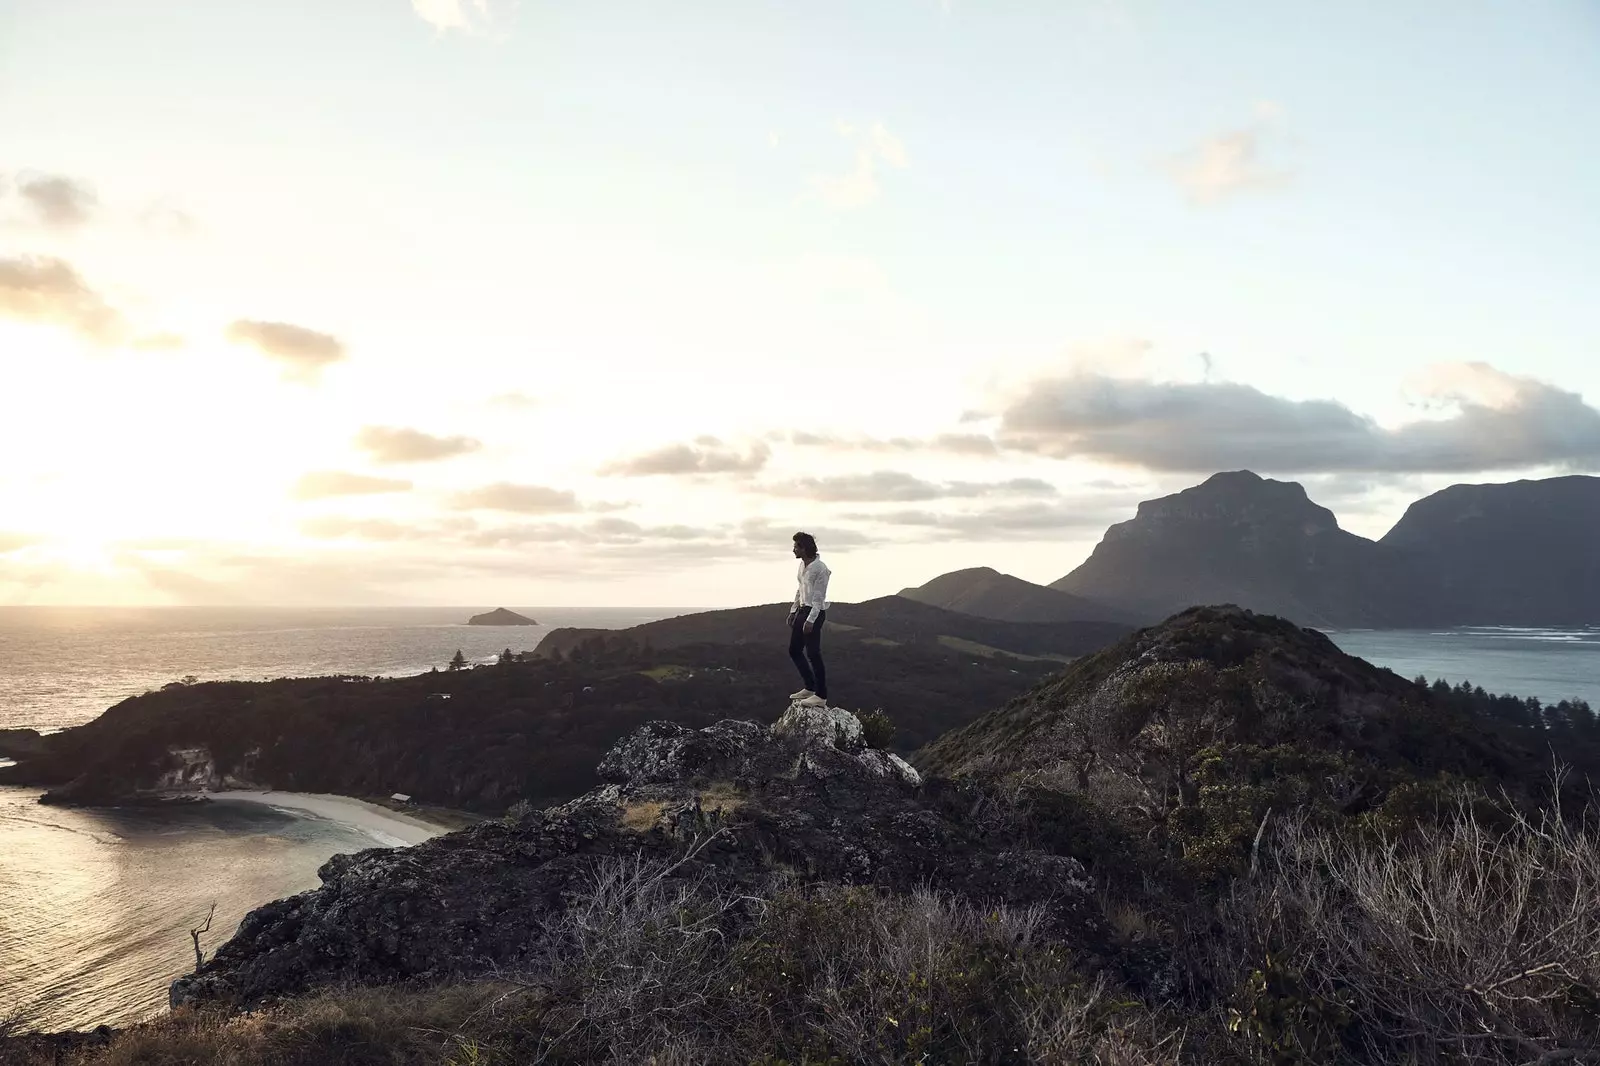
x=642, y=817
x=1464, y=945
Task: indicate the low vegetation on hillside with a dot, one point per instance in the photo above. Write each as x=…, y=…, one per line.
x=531, y=728
x=1285, y=856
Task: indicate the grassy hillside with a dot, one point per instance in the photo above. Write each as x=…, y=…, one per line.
x=484, y=738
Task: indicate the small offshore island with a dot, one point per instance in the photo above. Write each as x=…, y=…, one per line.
x=500, y=617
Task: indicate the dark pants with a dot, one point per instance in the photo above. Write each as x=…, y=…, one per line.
x=806, y=651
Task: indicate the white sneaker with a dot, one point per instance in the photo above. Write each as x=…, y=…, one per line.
x=813, y=700
x=802, y=694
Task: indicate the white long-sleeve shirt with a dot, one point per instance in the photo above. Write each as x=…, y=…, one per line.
x=813, y=587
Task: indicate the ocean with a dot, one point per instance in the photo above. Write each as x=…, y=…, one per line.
x=95, y=905
x=1551, y=664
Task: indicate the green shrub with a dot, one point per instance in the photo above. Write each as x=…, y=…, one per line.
x=877, y=728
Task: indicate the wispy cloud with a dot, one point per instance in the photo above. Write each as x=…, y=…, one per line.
x=1229, y=163
x=706, y=455
x=321, y=484
x=48, y=290
x=302, y=352
x=56, y=200
x=975, y=445
x=857, y=187
x=402, y=444
x=520, y=499
x=897, y=486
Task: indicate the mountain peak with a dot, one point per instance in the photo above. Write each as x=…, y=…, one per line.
x=1237, y=538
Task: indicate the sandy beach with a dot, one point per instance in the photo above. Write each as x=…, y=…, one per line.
x=390, y=828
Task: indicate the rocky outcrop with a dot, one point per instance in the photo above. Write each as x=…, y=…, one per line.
x=500, y=617
x=20, y=743
x=734, y=802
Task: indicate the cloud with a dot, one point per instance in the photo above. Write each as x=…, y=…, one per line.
x=1027, y=521
x=303, y=352
x=970, y=444
x=1229, y=163
x=898, y=487
x=321, y=484
x=1491, y=421
x=460, y=15
x=57, y=201
x=513, y=401
x=524, y=499
x=707, y=455
x=857, y=187
x=47, y=290
x=401, y=444
x=601, y=531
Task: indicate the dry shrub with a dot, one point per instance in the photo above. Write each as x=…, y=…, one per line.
x=1461, y=944
x=345, y=1027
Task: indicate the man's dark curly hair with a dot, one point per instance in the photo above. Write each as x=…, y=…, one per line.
x=807, y=543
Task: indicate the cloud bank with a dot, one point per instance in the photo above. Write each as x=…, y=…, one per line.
x=1491, y=421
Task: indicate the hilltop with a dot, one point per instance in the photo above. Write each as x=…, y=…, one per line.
x=987, y=593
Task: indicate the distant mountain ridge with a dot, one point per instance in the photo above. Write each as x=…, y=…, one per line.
x=891, y=620
x=1523, y=553
x=987, y=593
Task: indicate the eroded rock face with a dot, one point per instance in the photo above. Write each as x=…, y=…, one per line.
x=806, y=796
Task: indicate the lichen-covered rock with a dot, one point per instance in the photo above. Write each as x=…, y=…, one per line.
x=737, y=803
x=660, y=752
x=820, y=727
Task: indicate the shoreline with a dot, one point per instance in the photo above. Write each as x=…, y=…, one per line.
x=391, y=828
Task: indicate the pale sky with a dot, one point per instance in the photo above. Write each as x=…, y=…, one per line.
x=482, y=301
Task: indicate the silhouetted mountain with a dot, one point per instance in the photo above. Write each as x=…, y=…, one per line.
x=1525, y=553
x=887, y=620
x=1243, y=539
x=987, y=593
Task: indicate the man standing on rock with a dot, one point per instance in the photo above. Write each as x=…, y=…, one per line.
x=805, y=622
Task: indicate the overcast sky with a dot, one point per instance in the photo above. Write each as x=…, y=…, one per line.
x=482, y=301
